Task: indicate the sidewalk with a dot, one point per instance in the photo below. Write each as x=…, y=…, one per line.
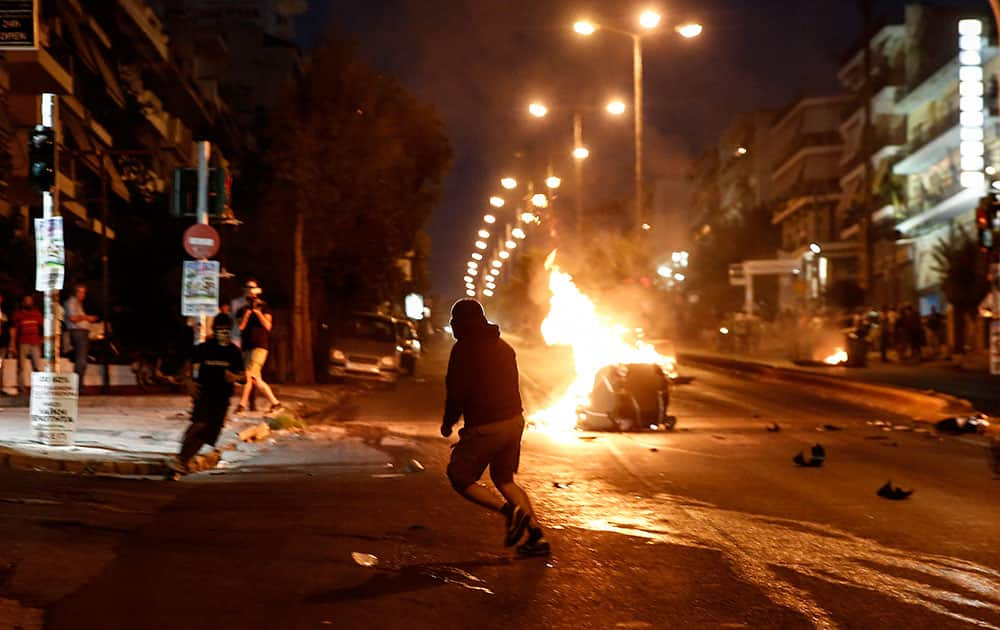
x=134, y=435
x=981, y=389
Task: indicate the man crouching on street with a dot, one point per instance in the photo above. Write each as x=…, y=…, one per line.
x=482, y=385
x=215, y=366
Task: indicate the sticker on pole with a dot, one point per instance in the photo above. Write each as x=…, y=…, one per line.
x=200, y=288
x=54, y=407
x=50, y=254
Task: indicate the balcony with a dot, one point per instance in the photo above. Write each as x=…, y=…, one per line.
x=929, y=144
x=47, y=69
x=802, y=143
x=803, y=194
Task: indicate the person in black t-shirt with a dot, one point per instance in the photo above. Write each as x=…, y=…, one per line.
x=216, y=366
x=255, y=321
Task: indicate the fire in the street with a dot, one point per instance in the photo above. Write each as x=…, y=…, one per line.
x=838, y=357
x=596, y=341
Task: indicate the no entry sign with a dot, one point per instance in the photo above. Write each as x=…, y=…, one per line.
x=201, y=241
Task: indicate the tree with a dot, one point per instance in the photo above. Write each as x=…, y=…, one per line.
x=963, y=277
x=355, y=166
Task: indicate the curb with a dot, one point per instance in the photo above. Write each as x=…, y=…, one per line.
x=925, y=405
x=14, y=459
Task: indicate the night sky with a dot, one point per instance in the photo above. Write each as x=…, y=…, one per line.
x=480, y=62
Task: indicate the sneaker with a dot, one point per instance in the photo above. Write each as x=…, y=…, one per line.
x=240, y=410
x=535, y=547
x=517, y=522
x=275, y=407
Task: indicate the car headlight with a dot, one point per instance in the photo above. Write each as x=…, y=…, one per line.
x=388, y=362
x=337, y=355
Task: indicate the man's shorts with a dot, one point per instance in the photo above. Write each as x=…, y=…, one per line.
x=497, y=445
x=211, y=415
x=254, y=361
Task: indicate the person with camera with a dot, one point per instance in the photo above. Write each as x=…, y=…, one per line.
x=255, y=322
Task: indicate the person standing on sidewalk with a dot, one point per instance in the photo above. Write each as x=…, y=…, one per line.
x=78, y=323
x=26, y=338
x=250, y=288
x=215, y=366
x=255, y=321
x=482, y=386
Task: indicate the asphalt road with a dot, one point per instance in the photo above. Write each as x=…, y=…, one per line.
x=710, y=526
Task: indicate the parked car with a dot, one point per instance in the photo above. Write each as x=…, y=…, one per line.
x=628, y=397
x=409, y=341
x=366, y=346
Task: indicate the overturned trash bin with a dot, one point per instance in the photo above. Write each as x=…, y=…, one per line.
x=857, y=351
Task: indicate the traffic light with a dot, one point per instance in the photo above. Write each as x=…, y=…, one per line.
x=184, y=200
x=42, y=157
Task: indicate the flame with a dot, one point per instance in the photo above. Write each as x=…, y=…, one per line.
x=839, y=356
x=596, y=342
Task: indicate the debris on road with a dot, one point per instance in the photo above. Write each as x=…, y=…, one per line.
x=366, y=560
x=815, y=460
x=960, y=425
x=255, y=433
x=876, y=437
x=774, y=427
x=562, y=484
x=894, y=493
x=829, y=427
x=413, y=466
x=588, y=438
x=653, y=449
x=877, y=423
x=388, y=476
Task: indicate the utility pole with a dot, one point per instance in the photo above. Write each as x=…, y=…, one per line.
x=637, y=96
x=865, y=222
x=50, y=209
x=105, y=274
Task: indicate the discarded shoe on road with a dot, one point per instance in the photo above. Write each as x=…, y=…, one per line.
x=893, y=493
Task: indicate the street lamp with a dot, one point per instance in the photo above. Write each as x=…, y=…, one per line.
x=552, y=182
x=518, y=233
x=471, y=293
x=538, y=110
x=481, y=245
x=539, y=200
x=508, y=183
x=484, y=233
x=648, y=21
x=472, y=265
x=489, y=218
x=496, y=202
x=581, y=153
x=487, y=292
x=477, y=256
x=504, y=254
x=615, y=108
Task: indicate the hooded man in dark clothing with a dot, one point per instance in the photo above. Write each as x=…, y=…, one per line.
x=482, y=385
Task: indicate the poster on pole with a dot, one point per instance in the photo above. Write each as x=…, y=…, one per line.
x=200, y=288
x=54, y=400
x=50, y=254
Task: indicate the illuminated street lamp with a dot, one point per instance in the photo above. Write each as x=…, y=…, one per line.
x=467, y=278
x=496, y=202
x=511, y=245
x=815, y=248
x=471, y=293
x=491, y=285
x=508, y=183
x=481, y=245
x=581, y=153
x=528, y=217
x=648, y=21
x=497, y=264
x=539, y=200
x=504, y=254
x=484, y=234
x=477, y=256
x=489, y=218
x=494, y=272
x=469, y=285
x=552, y=182
x=538, y=110
x=646, y=227
x=472, y=272
x=472, y=265
x=518, y=233
x=487, y=293
x=615, y=108
x=664, y=271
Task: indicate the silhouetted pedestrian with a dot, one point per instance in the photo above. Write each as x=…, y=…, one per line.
x=482, y=386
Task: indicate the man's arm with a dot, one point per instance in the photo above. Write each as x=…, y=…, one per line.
x=245, y=318
x=457, y=388
x=74, y=311
x=266, y=319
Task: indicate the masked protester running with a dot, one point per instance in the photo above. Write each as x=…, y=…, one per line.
x=482, y=386
x=216, y=366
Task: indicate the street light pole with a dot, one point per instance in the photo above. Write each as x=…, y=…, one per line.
x=578, y=174
x=637, y=96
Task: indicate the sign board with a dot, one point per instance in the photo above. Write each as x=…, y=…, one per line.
x=50, y=254
x=201, y=241
x=18, y=24
x=737, y=277
x=54, y=400
x=776, y=266
x=200, y=288
x=995, y=347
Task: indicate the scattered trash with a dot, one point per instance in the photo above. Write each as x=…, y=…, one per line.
x=588, y=438
x=458, y=577
x=902, y=427
x=413, y=466
x=829, y=427
x=417, y=526
x=774, y=427
x=562, y=484
x=719, y=437
x=815, y=461
x=894, y=493
x=366, y=560
x=755, y=416
x=878, y=423
x=960, y=425
x=653, y=449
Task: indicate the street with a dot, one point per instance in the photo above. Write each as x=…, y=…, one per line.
x=709, y=526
